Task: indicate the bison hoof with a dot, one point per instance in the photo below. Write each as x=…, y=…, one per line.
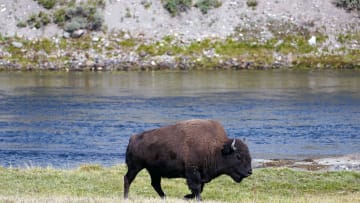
x=192, y=196
x=189, y=196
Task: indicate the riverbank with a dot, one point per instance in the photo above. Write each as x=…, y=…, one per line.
x=119, y=52
x=97, y=184
x=145, y=36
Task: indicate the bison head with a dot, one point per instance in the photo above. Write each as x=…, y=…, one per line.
x=237, y=160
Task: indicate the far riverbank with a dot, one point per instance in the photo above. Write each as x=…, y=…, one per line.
x=121, y=52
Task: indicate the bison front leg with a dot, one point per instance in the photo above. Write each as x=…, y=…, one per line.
x=156, y=183
x=193, y=179
x=192, y=196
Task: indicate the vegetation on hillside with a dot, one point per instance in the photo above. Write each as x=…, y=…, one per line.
x=348, y=4
x=68, y=15
x=175, y=7
x=48, y=4
x=252, y=3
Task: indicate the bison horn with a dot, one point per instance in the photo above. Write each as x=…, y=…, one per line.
x=233, y=145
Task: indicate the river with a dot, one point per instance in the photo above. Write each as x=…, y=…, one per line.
x=65, y=119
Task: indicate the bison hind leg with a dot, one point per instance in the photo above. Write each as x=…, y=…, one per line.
x=156, y=183
x=129, y=178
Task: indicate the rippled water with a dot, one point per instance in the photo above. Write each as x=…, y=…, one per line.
x=66, y=119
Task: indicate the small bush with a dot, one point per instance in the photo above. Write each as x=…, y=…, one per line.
x=95, y=21
x=44, y=18
x=39, y=20
x=348, y=4
x=252, y=3
x=205, y=5
x=21, y=24
x=48, y=4
x=96, y=3
x=174, y=7
x=146, y=4
x=66, y=2
x=59, y=16
x=75, y=24
x=79, y=17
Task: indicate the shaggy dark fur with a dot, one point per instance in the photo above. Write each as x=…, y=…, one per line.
x=197, y=150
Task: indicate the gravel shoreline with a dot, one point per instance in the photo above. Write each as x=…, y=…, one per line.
x=349, y=162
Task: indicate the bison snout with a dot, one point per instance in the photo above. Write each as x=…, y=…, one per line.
x=247, y=173
x=250, y=172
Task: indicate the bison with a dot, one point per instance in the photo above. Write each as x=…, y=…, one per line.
x=197, y=150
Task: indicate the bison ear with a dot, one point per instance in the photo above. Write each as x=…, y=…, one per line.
x=227, y=149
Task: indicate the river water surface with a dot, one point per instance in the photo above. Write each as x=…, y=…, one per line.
x=64, y=119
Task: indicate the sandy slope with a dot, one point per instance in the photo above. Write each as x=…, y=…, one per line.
x=155, y=22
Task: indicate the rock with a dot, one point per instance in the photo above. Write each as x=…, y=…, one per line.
x=278, y=43
x=66, y=35
x=210, y=53
x=312, y=41
x=99, y=65
x=290, y=58
x=78, y=33
x=142, y=54
x=126, y=36
x=166, y=65
x=17, y=44
x=89, y=63
x=95, y=39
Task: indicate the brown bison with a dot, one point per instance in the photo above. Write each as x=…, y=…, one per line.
x=197, y=150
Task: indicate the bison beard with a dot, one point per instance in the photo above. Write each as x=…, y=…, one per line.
x=197, y=150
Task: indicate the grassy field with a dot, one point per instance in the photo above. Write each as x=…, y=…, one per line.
x=93, y=183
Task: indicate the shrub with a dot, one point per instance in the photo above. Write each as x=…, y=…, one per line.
x=59, y=16
x=79, y=17
x=48, y=4
x=205, y=5
x=44, y=18
x=70, y=15
x=95, y=21
x=21, y=24
x=252, y=3
x=146, y=4
x=75, y=24
x=39, y=20
x=348, y=4
x=95, y=3
x=175, y=7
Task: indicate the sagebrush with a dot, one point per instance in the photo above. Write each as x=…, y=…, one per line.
x=348, y=4
x=205, y=5
x=175, y=7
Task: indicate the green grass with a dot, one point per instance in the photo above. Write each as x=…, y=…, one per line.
x=97, y=184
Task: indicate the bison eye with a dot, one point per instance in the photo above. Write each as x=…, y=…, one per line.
x=238, y=157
